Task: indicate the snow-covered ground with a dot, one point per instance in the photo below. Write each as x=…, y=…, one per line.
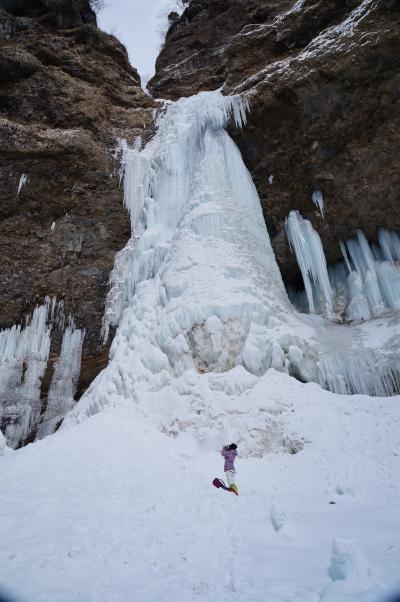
x=112, y=510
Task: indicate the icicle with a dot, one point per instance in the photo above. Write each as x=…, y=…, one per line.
x=163, y=170
x=62, y=389
x=379, y=281
x=373, y=293
x=135, y=185
x=358, y=306
x=390, y=244
x=318, y=200
x=22, y=182
x=361, y=254
x=345, y=255
x=389, y=281
x=367, y=256
x=311, y=259
x=33, y=340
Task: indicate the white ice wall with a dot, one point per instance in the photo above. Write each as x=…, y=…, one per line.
x=24, y=356
x=24, y=352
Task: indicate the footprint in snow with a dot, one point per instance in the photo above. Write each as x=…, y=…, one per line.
x=350, y=572
x=340, y=490
x=278, y=519
x=74, y=552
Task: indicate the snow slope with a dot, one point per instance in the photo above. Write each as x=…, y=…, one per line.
x=112, y=510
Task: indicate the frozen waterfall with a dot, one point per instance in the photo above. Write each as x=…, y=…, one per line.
x=196, y=294
x=24, y=359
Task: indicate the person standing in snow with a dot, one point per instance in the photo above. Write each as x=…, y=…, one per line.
x=229, y=453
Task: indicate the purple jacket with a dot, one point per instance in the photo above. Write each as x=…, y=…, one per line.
x=229, y=455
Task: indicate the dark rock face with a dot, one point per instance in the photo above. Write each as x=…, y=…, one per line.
x=196, y=52
x=323, y=80
x=55, y=13
x=67, y=93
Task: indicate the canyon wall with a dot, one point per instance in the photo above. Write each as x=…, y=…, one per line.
x=67, y=94
x=323, y=81
x=322, y=78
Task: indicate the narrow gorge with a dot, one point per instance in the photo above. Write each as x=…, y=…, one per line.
x=210, y=262
x=321, y=141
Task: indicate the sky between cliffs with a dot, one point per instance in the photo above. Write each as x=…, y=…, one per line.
x=139, y=25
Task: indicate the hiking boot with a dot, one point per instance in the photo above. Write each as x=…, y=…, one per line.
x=234, y=489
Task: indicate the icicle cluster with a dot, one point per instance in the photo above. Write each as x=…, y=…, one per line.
x=22, y=182
x=24, y=355
x=365, y=285
x=318, y=200
x=344, y=373
x=373, y=281
x=60, y=398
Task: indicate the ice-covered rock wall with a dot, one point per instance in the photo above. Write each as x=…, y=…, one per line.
x=197, y=296
x=24, y=357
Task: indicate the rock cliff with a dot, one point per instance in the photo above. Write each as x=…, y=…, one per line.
x=323, y=81
x=67, y=93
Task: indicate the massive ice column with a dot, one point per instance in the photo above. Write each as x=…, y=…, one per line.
x=197, y=287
